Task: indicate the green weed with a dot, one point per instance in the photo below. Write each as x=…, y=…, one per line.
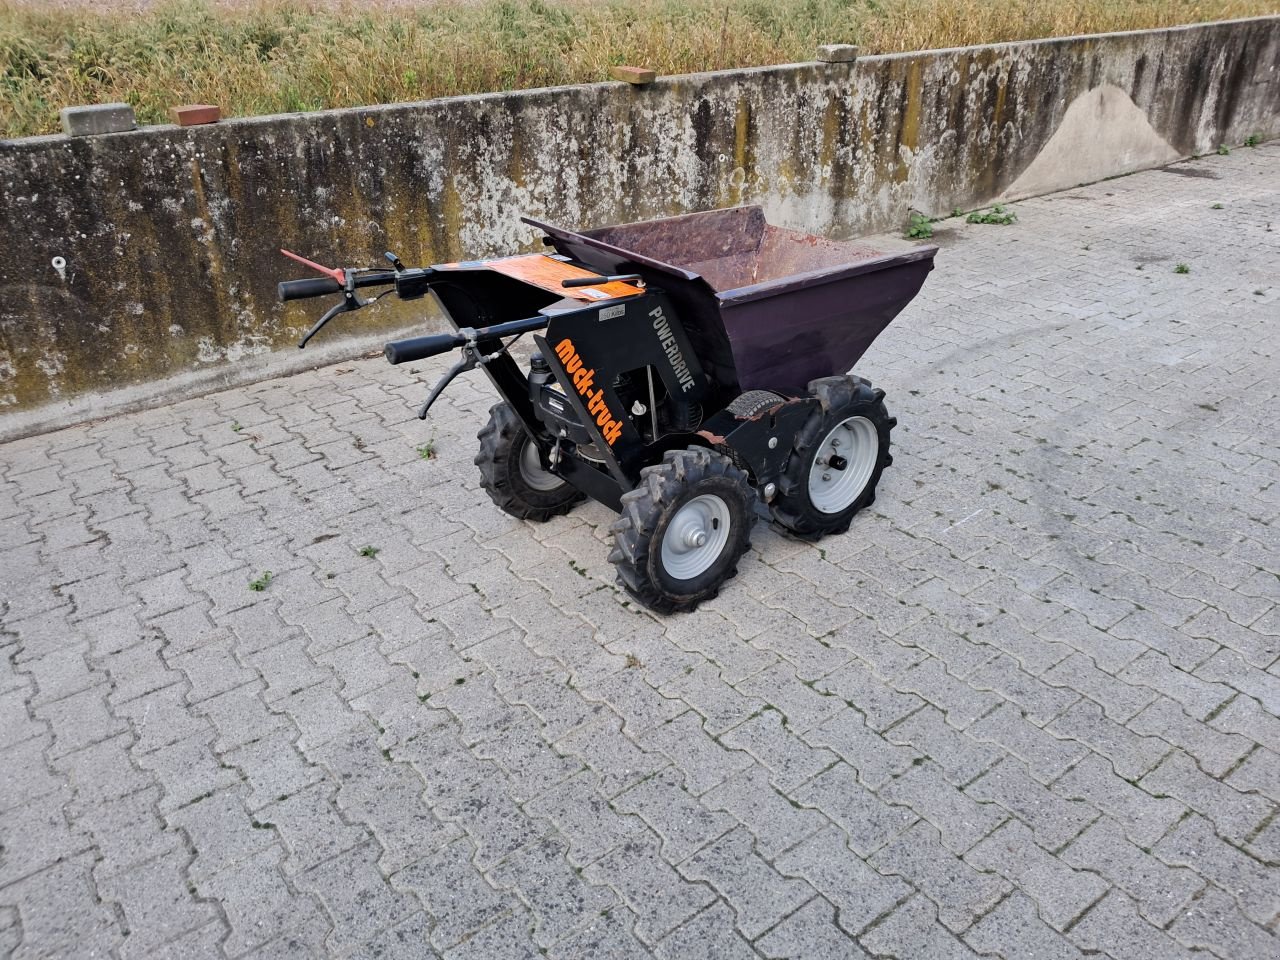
x=920, y=228
x=257, y=586
x=1182, y=268
x=370, y=551
x=428, y=450
x=999, y=214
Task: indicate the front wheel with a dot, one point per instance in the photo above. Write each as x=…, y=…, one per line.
x=683, y=529
x=513, y=474
x=836, y=459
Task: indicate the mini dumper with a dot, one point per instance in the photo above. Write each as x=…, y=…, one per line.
x=687, y=369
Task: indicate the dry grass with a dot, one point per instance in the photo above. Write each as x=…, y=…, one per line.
x=268, y=56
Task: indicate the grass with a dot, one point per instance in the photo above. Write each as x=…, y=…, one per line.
x=269, y=56
x=999, y=214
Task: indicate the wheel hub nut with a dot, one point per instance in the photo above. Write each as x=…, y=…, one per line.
x=696, y=537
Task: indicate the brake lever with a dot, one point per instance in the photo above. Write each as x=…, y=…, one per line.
x=350, y=303
x=468, y=362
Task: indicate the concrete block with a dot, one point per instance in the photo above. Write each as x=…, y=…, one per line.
x=838, y=52
x=636, y=75
x=97, y=118
x=194, y=114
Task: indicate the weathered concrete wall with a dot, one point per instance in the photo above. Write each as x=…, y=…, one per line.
x=169, y=235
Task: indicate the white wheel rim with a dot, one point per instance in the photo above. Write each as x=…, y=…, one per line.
x=531, y=470
x=843, y=464
x=696, y=537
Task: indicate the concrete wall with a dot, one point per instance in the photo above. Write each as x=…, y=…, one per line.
x=170, y=235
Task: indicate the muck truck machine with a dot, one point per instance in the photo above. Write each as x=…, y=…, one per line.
x=687, y=370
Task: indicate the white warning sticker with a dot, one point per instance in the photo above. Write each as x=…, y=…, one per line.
x=612, y=313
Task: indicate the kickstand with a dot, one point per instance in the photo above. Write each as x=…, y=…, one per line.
x=468, y=362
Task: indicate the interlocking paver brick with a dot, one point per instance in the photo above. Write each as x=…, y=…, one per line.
x=1047, y=756
x=1235, y=815
x=961, y=893
x=658, y=896
x=1255, y=885
x=1131, y=755
x=868, y=820
x=1014, y=929
x=861, y=894
x=1159, y=890
x=1037, y=604
x=1144, y=816
x=810, y=933
x=1061, y=893
x=1214, y=923
x=765, y=738
x=1053, y=819
x=961, y=820
x=684, y=825
x=758, y=894
x=912, y=931
x=711, y=934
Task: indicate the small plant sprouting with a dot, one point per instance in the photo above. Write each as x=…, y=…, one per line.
x=1252, y=140
x=1182, y=268
x=1223, y=150
x=999, y=214
x=428, y=450
x=1216, y=206
x=369, y=551
x=633, y=661
x=257, y=586
x=919, y=227
x=236, y=426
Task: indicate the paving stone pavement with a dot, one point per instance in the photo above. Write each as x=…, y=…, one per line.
x=1029, y=706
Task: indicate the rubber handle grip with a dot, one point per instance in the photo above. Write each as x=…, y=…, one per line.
x=311, y=287
x=419, y=348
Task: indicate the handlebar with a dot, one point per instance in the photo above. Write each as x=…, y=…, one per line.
x=323, y=286
x=419, y=348
x=302, y=289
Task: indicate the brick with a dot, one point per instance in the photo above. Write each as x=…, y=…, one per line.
x=561, y=900
x=1131, y=755
x=810, y=932
x=789, y=759
x=195, y=114
x=1213, y=922
x=156, y=902
x=960, y=819
x=1144, y=817
x=711, y=934
x=1260, y=773
x=868, y=821
x=684, y=825
x=721, y=705
x=1215, y=752
x=1014, y=928
x=1061, y=893
x=1197, y=697
x=1119, y=701
x=1255, y=885
x=860, y=688
x=912, y=931
x=259, y=905
x=838, y=52
x=658, y=896
x=1113, y=926
x=1053, y=819
x=1047, y=756
x=1181, y=650
x=860, y=893
x=961, y=893
x=1235, y=815
x=1160, y=891
x=1038, y=700
x=455, y=892
x=758, y=894
x=870, y=753
x=584, y=818
x=637, y=76
x=775, y=823
x=802, y=707
x=961, y=703
x=607, y=937
x=1244, y=716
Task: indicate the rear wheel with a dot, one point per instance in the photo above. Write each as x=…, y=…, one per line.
x=513, y=474
x=836, y=459
x=683, y=529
